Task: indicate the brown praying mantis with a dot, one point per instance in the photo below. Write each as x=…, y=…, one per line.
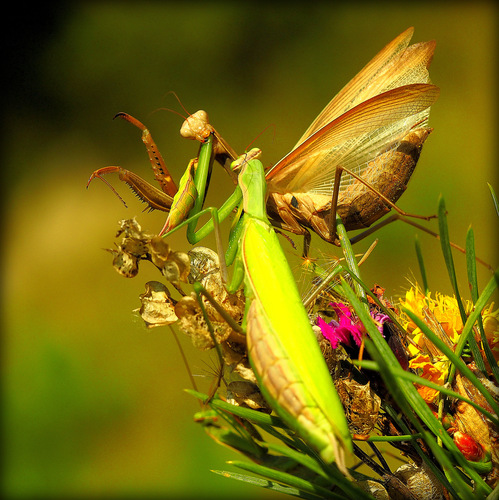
x=355, y=159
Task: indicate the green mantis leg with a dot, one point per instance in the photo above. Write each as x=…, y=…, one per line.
x=191, y=193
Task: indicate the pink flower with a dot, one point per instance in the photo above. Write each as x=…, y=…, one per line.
x=347, y=328
x=379, y=319
x=342, y=330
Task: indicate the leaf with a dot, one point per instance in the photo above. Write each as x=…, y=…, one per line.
x=473, y=282
x=265, y=483
x=299, y=483
x=246, y=413
x=370, y=365
x=447, y=253
x=422, y=268
x=494, y=198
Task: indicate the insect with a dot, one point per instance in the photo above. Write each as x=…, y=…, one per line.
x=283, y=350
x=369, y=137
x=355, y=159
x=282, y=347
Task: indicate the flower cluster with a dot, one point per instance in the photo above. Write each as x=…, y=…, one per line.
x=442, y=315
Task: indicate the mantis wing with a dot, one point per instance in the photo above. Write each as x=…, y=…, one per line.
x=378, y=107
x=355, y=137
x=394, y=66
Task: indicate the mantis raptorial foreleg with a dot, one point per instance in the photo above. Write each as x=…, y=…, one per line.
x=161, y=173
x=187, y=200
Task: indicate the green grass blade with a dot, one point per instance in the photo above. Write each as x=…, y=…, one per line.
x=253, y=416
x=476, y=313
x=303, y=484
x=307, y=461
x=310, y=463
x=456, y=360
x=473, y=282
x=268, y=423
x=290, y=440
x=397, y=417
x=422, y=268
x=494, y=198
x=265, y=483
x=447, y=253
x=495, y=494
x=350, y=259
x=415, y=379
x=394, y=439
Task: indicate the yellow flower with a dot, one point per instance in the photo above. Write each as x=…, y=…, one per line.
x=490, y=320
x=446, y=312
x=443, y=310
x=435, y=372
x=414, y=301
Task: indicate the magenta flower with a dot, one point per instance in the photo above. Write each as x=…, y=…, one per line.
x=347, y=328
x=379, y=319
x=342, y=330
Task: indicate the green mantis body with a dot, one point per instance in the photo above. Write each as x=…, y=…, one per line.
x=282, y=346
x=283, y=349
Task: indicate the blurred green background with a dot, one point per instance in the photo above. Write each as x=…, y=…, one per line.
x=93, y=404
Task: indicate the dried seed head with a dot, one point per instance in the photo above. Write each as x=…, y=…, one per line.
x=180, y=262
x=377, y=490
x=137, y=245
x=159, y=250
x=192, y=323
x=205, y=269
x=420, y=481
x=125, y=263
x=131, y=229
x=361, y=405
x=157, y=307
x=204, y=261
x=246, y=394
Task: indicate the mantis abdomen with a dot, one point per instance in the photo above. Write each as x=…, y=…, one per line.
x=359, y=205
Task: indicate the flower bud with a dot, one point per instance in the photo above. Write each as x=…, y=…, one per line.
x=468, y=446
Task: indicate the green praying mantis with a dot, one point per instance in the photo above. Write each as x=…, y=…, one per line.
x=283, y=349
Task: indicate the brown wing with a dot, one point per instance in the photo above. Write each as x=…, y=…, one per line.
x=395, y=65
x=368, y=124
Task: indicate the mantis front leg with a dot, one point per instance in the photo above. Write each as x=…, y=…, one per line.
x=181, y=203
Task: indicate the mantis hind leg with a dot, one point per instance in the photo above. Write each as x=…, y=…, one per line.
x=407, y=220
x=376, y=194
